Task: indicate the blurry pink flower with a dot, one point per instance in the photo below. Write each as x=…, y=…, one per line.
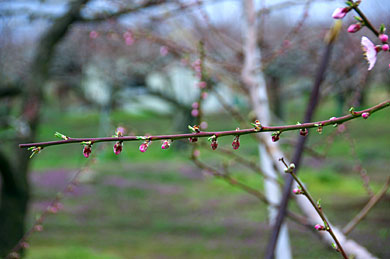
x=203, y=125
x=340, y=12
x=385, y=47
x=195, y=105
x=369, y=51
x=38, y=228
x=163, y=51
x=118, y=147
x=196, y=153
x=93, y=34
x=87, y=150
x=202, y=84
x=143, y=147
x=365, y=115
x=195, y=112
x=204, y=95
x=165, y=144
x=384, y=38
x=129, y=41
x=25, y=245
x=354, y=27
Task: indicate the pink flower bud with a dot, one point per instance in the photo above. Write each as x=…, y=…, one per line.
x=25, y=245
x=384, y=38
x=165, y=144
x=297, y=191
x=319, y=227
x=87, y=150
x=93, y=34
x=195, y=112
x=275, y=137
x=143, y=147
x=236, y=143
x=365, y=115
x=195, y=105
x=214, y=144
x=385, y=47
x=193, y=140
x=202, y=84
x=38, y=228
x=164, y=51
x=340, y=13
x=118, y=147
x=354, y=27
x=303, y=132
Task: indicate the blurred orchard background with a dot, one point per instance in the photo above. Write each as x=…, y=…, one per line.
x=85, y=67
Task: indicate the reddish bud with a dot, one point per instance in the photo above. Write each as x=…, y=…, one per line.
x=118, y=147
x=275, y=137
x=340, y=13
x=354, y=27
x=87, y=150
x=365, y=115
x=319, y=227
x=214, y=144
x=195, y=105
x=297, y=191
x=385, y=47
x=384, y=38
x=193, y=140
x=143, y=147
x=236, y=143
x=165, y=144
x=303, y=132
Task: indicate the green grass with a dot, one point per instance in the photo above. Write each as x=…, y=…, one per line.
x=157, y=204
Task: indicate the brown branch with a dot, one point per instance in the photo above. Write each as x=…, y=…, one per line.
x=318, y=124
x=370, y=204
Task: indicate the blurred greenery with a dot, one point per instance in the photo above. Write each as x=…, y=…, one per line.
x=157, y=204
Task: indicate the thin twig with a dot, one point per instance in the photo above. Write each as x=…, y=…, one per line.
x=370, y=204
x=324, y=123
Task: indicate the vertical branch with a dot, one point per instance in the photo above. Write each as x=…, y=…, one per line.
x=310, y=109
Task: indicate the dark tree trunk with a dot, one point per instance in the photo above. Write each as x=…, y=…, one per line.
x=14, y=169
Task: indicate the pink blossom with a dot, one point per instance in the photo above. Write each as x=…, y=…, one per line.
x=202, y=84
x=340, y=12
x=165, y=144
x=365, y=115
x=87, y=150
x=118, y=147
x=354, y=27
x=384, y=38
x=275, y=137
x=203, y=125
x=164, y=51
x=369, y=52
x=236, y=143
x=195, y=112
x=195, y=105
x=204, y=95
x=385, y=47
x=93, y=34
